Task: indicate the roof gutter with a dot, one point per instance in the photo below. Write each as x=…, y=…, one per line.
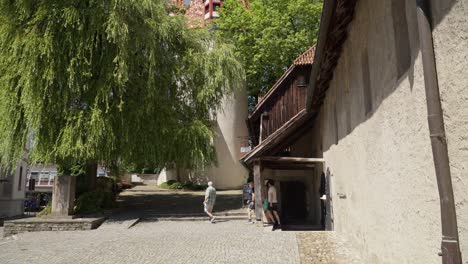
x=450, y=246
x=327, y=14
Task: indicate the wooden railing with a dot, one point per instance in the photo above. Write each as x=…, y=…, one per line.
x=285, y=105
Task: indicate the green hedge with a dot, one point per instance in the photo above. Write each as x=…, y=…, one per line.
x=175, y=185
x=94, y=202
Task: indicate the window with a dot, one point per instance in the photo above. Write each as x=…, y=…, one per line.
x=20, y=178
x=52, y=177
x=43, y=178
x=33, y=175
x=301, y=80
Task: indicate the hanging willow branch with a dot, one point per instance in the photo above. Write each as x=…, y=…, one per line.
x=109, y=80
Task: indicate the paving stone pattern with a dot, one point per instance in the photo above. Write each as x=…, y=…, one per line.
x=154, y=242
x=326, y=248
x=133, y=234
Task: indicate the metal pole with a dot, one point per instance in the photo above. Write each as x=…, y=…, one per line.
x=450, y=248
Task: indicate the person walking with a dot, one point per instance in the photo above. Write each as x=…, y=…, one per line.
x=273, y=204
x=251, y=203
x=209, y=202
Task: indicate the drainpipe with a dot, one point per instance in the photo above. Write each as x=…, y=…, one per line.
x=450, y=248
x=260, y=138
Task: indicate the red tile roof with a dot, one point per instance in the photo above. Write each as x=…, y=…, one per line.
x=306, y=58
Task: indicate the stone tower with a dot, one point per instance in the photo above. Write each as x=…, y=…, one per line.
x=231, y=129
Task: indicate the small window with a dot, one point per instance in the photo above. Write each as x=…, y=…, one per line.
x=301, y=80
x=20, y=178
x=52, y=178
x=43, y=178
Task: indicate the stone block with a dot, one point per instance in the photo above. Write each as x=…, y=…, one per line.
x=50, y=224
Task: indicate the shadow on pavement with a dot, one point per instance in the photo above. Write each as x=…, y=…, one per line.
x=150, y=204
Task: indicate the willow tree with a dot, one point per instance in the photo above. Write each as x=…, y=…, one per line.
x=109, y=80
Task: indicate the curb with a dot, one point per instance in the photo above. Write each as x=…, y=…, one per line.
x=193, y=219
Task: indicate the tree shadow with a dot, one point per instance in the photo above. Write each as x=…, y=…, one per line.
x=155, y=205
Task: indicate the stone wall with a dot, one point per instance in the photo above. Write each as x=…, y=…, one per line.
x=375, y=137
x=231, y=134
x=43, y=224
x=11, y=207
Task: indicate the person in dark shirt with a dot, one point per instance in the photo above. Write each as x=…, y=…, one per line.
x=251, y=204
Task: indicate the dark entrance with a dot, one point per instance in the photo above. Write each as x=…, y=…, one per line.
x=293, y=202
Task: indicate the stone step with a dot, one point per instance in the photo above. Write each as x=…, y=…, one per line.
x=195, y=218
x=220, y=214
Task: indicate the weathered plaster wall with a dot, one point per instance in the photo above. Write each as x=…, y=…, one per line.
x=451, y=48
x=12, y=192
x=375, y=136
x=166, y=175
x=231, y=135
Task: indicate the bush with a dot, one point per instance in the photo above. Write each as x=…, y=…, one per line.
x=105, y=184
x=170, y=182
x=46, y=211
x=94, y=202
x=119, y=186
x=175, y=185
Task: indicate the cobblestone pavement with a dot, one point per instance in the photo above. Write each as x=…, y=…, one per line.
x=325, y=248
x=154, y=242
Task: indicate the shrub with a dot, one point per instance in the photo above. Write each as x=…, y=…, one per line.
x=105, y=184
x=164, y=185
x=94, y=202
x=119, y=187
x=46, y=211
x=175, y=185
x=170, y=182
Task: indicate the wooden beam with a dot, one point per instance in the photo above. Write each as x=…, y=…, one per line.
x=291, y=166
x=278, y=136
x=258, y=184
x=293, y=137
x=293, y=159
x=268, y=96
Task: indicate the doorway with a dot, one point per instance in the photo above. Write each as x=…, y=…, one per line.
x=293, y=202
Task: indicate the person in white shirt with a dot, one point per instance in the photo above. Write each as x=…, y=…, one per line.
x=273, y=204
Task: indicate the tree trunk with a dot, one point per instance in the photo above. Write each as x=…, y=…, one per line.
x=91, y=175
x=63, y=196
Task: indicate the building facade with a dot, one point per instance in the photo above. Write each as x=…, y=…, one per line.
x=12, y=190
x=281, y=132
x=371, y=125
